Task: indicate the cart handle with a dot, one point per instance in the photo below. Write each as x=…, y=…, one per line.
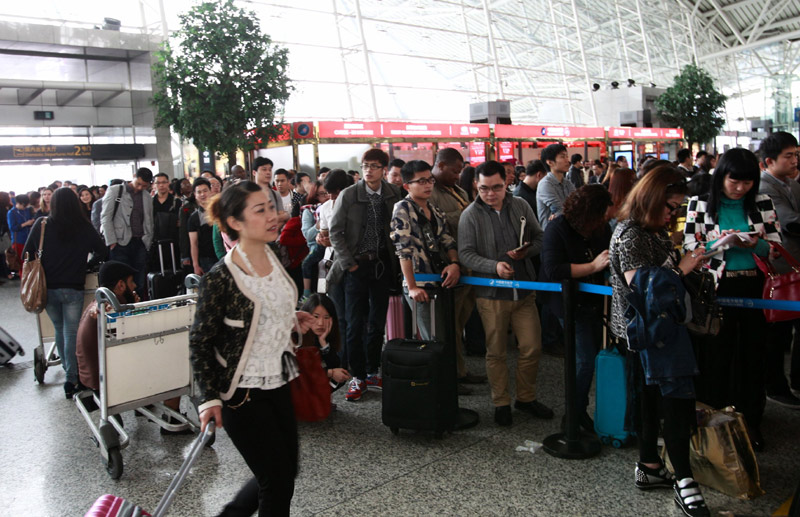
x=105, y=295
x=192, y=281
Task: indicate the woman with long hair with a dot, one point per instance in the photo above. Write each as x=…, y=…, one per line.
x=732, y=363
x=69, y=237
x=642, y=255
x=87, y=200
x=241, y=346
x=44, y=203
x=619, y=186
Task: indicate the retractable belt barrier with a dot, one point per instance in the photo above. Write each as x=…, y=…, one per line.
x=745, y=303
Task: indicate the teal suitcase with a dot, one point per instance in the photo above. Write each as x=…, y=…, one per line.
x=610, y=398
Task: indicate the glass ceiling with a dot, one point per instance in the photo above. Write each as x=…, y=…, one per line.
x=429, y=59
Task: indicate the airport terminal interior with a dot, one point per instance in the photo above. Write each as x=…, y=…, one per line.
x=493, y=79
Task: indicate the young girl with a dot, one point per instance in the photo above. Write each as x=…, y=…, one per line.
x=324, y=333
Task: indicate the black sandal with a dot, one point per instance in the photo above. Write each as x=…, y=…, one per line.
x=690, y=500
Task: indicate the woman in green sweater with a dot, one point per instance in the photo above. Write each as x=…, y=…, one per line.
x=732, y=363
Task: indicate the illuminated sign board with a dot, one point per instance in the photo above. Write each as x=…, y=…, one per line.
x=401, y=130
x=548, y=132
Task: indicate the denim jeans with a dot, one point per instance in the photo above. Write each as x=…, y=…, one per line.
x=424, y=324
x=312, y=259
x=64, y=307
x=588, y=339
x=135, y=255
x=366, y=295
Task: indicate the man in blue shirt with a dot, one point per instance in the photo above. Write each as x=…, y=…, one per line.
x=554, y=188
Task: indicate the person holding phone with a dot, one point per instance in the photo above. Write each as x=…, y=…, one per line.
x=490, y=231
x=576, y=246
x=732, y=363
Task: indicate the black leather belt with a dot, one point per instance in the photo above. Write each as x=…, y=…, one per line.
x=366, y=257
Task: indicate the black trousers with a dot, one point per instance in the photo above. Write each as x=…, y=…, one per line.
x=779, y=340
x=264, y=431
x=679, y=422
x=732, y=363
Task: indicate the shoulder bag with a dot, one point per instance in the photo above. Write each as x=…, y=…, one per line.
x=784, y=286
x=706, y=313
x=33, y=287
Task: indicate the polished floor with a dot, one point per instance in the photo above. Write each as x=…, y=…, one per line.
x=350, y=464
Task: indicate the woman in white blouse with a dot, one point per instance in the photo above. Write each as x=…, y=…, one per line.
x=242, y=347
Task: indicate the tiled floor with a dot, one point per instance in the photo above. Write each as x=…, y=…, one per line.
x=350, y=464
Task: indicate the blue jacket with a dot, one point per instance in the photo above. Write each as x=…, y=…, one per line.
x=657, y=311
x=15, y=218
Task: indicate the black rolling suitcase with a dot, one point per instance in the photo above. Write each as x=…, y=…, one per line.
x=419, y=381
x=166, y=283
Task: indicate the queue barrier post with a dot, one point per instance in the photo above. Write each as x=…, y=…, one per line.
x=570, y=444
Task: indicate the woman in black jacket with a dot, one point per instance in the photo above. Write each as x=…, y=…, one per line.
x=69, y=237
x=576, y=246
x=241, y=346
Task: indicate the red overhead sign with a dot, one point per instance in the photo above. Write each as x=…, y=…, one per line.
x=654, y=133
x=477, y=153
x=512, y=131
x=401, y=130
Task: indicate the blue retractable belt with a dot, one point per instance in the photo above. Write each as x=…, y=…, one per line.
x=745, y=303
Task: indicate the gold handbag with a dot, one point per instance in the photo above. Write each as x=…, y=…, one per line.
x=33, y=287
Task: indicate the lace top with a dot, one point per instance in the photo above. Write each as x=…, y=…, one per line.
x=263, y=368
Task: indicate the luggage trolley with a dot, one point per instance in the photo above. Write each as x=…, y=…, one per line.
x=47, y=334
x=143, y=351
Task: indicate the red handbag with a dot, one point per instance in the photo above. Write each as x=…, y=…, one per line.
x=311, y=392
x=784, y=286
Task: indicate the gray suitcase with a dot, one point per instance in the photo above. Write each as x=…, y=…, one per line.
x=9, y=347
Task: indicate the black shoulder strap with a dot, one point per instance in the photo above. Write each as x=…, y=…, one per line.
x=117, y=201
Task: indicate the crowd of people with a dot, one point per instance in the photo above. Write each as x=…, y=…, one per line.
x=340, y=245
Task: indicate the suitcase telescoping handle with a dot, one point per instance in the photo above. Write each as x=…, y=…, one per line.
x=197, y=449
x=171, y=256
x=432, y=302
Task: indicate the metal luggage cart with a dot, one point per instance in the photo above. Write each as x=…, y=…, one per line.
x=143, y=351
x=47, y=334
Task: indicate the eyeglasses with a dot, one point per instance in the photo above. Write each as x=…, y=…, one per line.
x=323, y=194
x=483, y=189
x=423, y=181
x=673, y=209
x=371, y=166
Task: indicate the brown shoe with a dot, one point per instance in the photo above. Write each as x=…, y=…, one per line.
x=472, y=379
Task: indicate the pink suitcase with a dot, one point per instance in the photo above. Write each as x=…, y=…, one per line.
x=395, y=323
x=113, y=506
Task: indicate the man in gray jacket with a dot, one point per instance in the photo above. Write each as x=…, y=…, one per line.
x=365, y=261
x=127, y=224
x=497, y=236
x=778, y=153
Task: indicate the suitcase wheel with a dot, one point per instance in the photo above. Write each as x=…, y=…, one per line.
x=395, y=430
x=617, y=443
x=605, y=440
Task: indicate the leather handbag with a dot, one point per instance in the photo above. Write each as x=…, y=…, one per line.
x=311, y=391
x=12, y=259
x=784, y=286
x=706, y=313
x=33, y=287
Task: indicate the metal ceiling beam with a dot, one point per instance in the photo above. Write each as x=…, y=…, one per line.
x=26, y=95
x=64, y=97
x=751, y=46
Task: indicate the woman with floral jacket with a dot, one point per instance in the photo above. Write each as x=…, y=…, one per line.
x=241, y=346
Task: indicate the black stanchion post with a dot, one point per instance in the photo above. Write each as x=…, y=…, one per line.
x=445, y=297
x=570, y=444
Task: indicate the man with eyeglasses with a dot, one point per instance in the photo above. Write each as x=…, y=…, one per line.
x=166, y=213
x=553, y=190
x=498, y=235
x=423, y=242
x=359, y=235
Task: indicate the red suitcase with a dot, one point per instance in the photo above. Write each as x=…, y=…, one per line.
x=113, y=506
